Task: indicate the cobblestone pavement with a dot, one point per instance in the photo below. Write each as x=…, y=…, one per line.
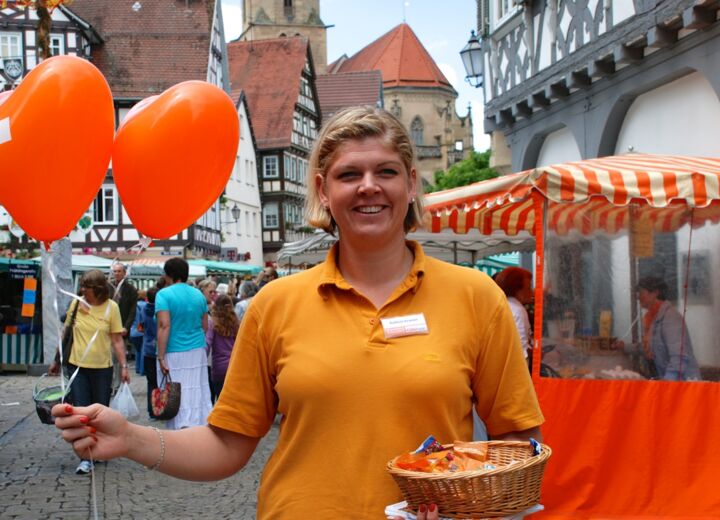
x=38, y=480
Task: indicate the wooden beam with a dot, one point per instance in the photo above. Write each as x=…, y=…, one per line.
x=579, y=79
x=601, y=68
x=698, y=17
x=625, y=54
x=504, y=118
x=557, y=90
x=659, y=37
x=538, y=100
x=521, y=110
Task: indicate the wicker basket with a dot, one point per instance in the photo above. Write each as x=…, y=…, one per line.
x=512, y=487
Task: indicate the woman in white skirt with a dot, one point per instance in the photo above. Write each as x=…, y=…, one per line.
x=182, y=319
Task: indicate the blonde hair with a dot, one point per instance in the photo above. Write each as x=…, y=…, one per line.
x=357, y=123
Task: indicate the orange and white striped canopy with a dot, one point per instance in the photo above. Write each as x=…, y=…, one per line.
x=596, y=194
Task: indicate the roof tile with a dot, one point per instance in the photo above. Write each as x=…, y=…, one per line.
x=269, y=72
x=147, y=51
x=346, y=89
x=401, y=58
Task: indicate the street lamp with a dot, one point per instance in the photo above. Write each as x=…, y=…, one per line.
x=235, y=212
x=472, y=58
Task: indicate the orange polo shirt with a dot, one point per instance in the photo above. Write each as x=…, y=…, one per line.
x=314, y=350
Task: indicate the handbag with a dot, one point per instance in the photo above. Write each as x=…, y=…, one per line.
x=67, y=338
x=166, y=399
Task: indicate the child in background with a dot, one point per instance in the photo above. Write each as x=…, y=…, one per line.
x=220, y=338
x=149, y=345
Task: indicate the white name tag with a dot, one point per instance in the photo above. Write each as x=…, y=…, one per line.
x=409, y=325
x=5, y=130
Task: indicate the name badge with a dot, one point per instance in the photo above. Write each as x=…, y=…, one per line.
x=409, y=325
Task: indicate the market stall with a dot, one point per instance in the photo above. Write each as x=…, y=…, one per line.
x=20, y=314
x=467, y=248
x=621, y=242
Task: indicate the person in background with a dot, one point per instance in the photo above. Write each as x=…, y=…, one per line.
x=208, y=287
x=97, y=331
x=136, y=333
x=248, y=289
x=149, y=345
x=220, y=338
x=182, y=313
x=125, y=295
x=363, y=355
x=266, y=276
x=516, y=283
x=666, y=344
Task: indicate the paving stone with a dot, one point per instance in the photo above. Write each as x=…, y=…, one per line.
x=38, y=473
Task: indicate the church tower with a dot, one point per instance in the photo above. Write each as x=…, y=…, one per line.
x=264, y=19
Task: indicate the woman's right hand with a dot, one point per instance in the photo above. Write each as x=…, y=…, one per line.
x=424, y=513
x=94, y=431
x=54, y=368
x=163, y=366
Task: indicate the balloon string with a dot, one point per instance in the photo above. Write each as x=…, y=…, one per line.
x=92, y=485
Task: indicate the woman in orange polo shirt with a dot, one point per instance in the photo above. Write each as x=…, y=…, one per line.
x=363, y=356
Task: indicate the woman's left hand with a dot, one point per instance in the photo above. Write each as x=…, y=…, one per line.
x=125, y=375
x=424, y=513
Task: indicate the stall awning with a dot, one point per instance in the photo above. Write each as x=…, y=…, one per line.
x=600, y=191
x=447, y=245
x=212, y=266
x=151, y=267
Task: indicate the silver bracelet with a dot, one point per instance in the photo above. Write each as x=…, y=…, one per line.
x=161, y=457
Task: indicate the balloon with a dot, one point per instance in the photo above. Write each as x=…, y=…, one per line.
x=173, y=155
x=56, y=134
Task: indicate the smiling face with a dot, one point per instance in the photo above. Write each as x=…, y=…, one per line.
x=368, y=190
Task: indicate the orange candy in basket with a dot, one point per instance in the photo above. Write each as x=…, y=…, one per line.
x=464, y=456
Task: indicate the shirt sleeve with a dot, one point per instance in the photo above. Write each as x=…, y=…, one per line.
x=506, y=399
x=161, y=302
x=116, y=325
x=248, y=403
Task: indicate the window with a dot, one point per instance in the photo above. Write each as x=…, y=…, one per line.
x=10, y=45
x=121, y=115
x=248, y=172
x=271, y=215
x=416, y=131
x=247, y=223
x=458, y=146
x=504, y=10
x=270, y=166
x=105, y=206
x=57, y=45
x=293, y=169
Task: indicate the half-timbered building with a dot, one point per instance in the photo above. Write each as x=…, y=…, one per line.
x=278, y=78
x=145, y=48
x=574, y=79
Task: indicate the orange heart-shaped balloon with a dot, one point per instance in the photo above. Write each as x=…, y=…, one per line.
x=173, y=155
x=56, y=135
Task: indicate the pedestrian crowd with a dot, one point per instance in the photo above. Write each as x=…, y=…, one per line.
x=177, y=326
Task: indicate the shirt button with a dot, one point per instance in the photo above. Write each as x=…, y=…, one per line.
x=372, y=322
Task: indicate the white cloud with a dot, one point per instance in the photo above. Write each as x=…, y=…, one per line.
x=436, y=45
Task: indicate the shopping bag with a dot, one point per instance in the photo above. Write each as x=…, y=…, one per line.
x=124, y=402
x=166, y=399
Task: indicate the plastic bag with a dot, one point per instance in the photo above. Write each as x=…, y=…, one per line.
x=124, y=402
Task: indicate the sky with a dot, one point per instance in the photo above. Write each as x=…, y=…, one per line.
x=442, y=27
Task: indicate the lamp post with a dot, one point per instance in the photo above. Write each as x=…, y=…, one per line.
x=235, y=212
x=472, y=58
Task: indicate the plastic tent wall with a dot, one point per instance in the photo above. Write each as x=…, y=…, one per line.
x=623, y=446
